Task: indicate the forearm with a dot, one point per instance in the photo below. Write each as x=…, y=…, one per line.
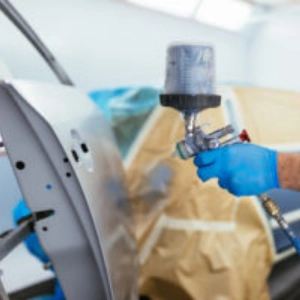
x=289, y=171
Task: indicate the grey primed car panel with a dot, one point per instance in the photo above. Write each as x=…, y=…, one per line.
x=89, y=237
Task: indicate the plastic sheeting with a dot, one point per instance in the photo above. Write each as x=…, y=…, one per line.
x=126, y=109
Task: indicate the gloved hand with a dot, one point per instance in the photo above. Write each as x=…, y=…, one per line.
x=33, y=245
x=242, y=169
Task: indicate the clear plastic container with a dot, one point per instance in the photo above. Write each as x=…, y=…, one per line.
x=190, y=69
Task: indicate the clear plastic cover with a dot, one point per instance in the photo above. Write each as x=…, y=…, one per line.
x=190, y=69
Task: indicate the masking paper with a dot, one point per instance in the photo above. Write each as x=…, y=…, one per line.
x=197, y=241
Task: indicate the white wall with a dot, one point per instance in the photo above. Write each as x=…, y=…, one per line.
x=274, y=51
x=102, y=43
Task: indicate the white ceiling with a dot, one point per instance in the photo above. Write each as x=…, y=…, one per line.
x=273, y=2
x=231, y=15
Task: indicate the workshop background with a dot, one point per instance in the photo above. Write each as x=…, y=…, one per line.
x=106, y=45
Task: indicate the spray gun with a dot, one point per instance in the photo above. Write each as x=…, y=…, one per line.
x=190, y=89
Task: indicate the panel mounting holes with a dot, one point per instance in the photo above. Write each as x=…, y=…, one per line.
x=81, y=150
x=20, y=165
x=68, y=174
x=45, y=228
x=75, y=155
x=84, y=148
x=66, y=160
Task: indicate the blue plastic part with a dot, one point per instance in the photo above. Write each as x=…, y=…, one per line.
x=102, y=97
x=127, y=109
x=134, y=102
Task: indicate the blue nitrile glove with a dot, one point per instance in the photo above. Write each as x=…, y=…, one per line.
x=33, y=245
x=242, y=169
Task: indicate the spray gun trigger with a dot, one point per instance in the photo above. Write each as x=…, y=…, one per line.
x=244, y=136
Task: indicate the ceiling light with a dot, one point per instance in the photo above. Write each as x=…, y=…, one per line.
x=182, y=8
x=228, y=14
x=270, y=2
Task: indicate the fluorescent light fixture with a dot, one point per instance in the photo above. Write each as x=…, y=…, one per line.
x=182, y=8
x=271, y=2
x=228, y=14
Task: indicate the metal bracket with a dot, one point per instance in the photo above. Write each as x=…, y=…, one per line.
x=12, y=238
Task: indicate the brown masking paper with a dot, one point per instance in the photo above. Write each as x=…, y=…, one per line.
x=196, y=241
x=270, y=116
